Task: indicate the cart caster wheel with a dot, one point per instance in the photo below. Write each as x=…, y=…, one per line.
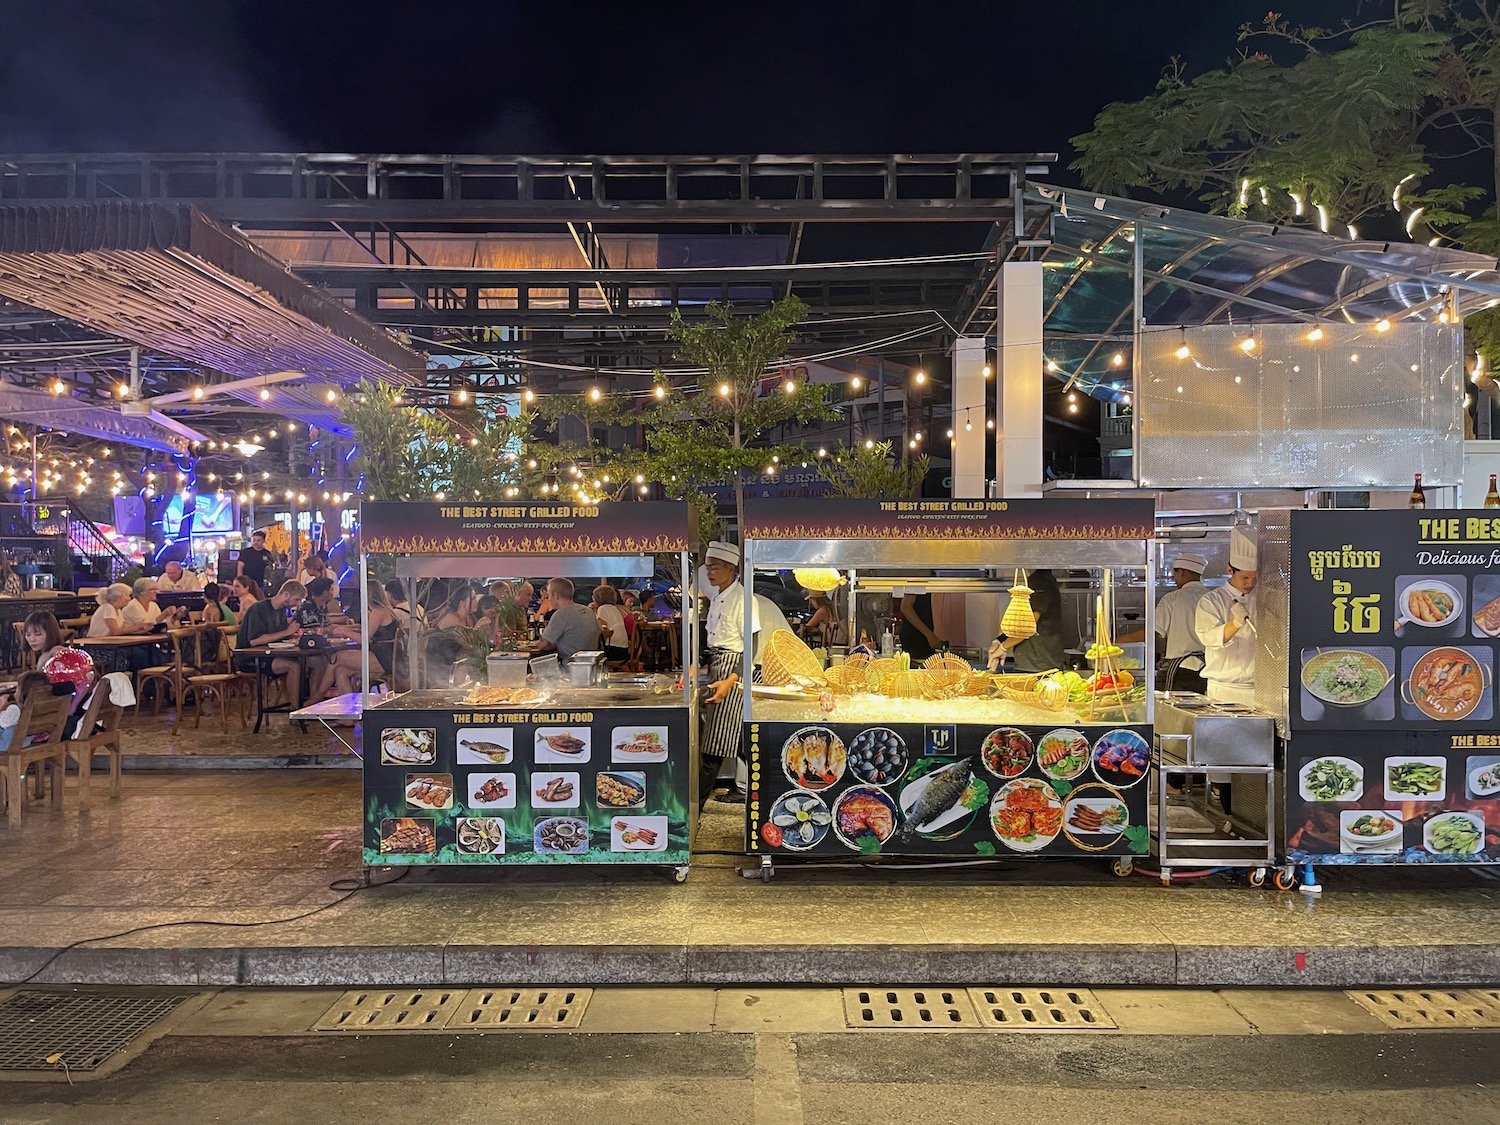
x=1286, y=880
x=766, y=874
x=680, y=874
x=1166, y=878
x=1123, y=867
x=1257, y=877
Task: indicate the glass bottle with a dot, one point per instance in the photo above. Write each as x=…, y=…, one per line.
x=1418, y=497
x=1492, y=497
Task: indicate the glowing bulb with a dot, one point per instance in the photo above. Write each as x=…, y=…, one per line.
x=856, y=382
x=1382, y=325
x=1443, y=317
x=123, y=390
x=595, y=394
x=58, y=387
x=275, y=434
x=988, y=370
x=1247, y=345
x=869, y=443
x=1118, y=359
x=332, y=395
x=463, y=396
x=661, y=391
x=265, y=395
x=640, y=478
x=1315, y=335
x=920, y=377
x=968, y=425
x=1072, y=397
x=197, y=392
x=950, y=431
x=528, y=395
x=1183, y=351
x=1073, y=408
x=822, y=452
x=989, y=424
x=1052, y=367
x=724, y=390
x=912, y=444
x=917, y=436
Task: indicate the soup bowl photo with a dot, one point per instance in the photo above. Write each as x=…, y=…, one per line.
x=1345, y=677
x=1430, y=603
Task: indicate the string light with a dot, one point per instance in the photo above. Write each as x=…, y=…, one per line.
x=595, y=394
x=1382, y=325
x=528, y=395
x=1118, y=359
x=724, y=390
x=790, y=387
x=920, y=377
x=58, y=387
x=265, y=394
x=661, y=391
x=1316, y=334
x=988, y=370
x=856, y=382
x=463, y=396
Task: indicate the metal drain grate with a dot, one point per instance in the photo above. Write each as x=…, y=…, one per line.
x=80, y=1029
x=456, y=1009
x=1039, y=1009
x=1431, y=1007
x=923, y=1008
x=394, y=1009
x=491, y=1009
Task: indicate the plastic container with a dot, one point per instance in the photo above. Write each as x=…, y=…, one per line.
x=502, y=670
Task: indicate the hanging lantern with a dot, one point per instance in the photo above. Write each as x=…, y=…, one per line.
x=1019, y=620
x=818, y=579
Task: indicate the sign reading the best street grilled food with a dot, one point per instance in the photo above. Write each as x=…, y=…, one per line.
x=1395, y=632
x=522, y=527
x=950, y=519
x=963, y=789
x=526, y=786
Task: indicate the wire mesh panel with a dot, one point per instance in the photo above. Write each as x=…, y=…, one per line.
x=1298, y=406
x=79, y=1031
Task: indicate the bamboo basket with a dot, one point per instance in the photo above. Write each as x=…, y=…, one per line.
x=879, y=670
x=948, y=675
x=1016, y=695
x=979, y=685
x=1021, y=681
x=787, y=660
x=909, y=683
x=848, y=678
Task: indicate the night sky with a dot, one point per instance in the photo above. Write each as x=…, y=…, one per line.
x=571, y=77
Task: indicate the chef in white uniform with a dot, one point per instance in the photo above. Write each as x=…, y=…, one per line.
x=722, y=707
x=1225, y=623
x=1177, y=612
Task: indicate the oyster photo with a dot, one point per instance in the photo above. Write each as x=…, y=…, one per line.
x=481, y=835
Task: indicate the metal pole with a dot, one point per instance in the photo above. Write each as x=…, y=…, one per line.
x=1139, y=317
x=364, y=628
x=880, y=408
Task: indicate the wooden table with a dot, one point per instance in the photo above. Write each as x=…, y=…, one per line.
x=111, y=654
x=263, y=655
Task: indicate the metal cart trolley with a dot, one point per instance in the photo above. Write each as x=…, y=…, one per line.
x=565, y=773
x=896, y=768
x=1198, y=739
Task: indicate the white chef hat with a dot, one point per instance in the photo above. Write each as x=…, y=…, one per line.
x=1186, y=560
x=1242, y=548
x=726, y=552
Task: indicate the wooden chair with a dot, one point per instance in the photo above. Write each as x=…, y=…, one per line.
x=173, y=675
x=38, y=741
x=28, y=658
x=215, y=680
x=99, y=730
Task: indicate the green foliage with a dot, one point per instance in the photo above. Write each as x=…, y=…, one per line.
x=1358, y=119
x=872, y=472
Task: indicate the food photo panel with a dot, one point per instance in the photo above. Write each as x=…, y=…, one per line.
x=490, y=791
x=485, y=746
x=1448, y=684
x=1484, y=615
x=555, y=791
x=1430, y=607
x=561, y=745
x=638, y=745
x=1482, y=777
x=1371, y=832
x=1342, y=685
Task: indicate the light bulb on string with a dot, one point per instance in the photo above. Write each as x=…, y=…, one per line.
x=1316, y=334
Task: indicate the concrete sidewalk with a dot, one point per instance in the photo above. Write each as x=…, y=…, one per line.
x=235, y=868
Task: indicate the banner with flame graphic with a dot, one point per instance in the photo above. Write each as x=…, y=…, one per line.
x=524, y=528
x=1122, y=519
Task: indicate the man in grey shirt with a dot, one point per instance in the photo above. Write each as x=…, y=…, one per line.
x=573, y=627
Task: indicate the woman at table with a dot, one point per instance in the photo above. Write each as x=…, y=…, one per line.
x=215, y=612
x=344, y=671
x=43, y=636
x=313, y=568
x=143, y=611
x=612, y=624
x=822, y=623
x=247, y=592
x=460, y=608
x=109, y=619
x=10, y=581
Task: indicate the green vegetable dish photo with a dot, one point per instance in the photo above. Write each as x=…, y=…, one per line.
x=1332, y=779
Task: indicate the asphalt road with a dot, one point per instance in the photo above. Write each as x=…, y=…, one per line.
x=761, y=1078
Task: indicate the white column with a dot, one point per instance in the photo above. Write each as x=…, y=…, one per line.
x=969, y=445
x=1018, y=352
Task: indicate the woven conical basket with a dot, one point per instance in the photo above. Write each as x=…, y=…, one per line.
x=1019, y=619
x=820, y=579
x=786, y=659
x=948, y=674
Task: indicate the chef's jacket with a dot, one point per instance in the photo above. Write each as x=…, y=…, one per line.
x=1176, y=616
x=1228, y=668
x=726, y=618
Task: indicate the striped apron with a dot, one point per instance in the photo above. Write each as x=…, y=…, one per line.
x=723, y=723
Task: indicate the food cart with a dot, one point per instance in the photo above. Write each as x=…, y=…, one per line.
x=1388, y=623
x=938, y=757
x=542, y=772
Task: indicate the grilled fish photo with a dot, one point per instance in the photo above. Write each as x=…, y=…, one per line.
x=944, y=791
